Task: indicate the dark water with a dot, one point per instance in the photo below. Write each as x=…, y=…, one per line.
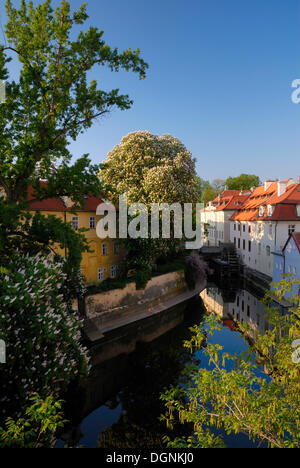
x=119, y=405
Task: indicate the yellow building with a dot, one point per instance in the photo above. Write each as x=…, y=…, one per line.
x=104, y=260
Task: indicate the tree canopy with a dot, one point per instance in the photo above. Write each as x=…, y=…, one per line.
x=151, y=169
x=53, y=102
x=242, y=182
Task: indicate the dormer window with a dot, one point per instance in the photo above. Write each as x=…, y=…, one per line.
x=261, y=211
x=270, y=210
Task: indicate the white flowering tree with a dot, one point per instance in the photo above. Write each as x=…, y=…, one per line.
x=151, y=169
x=40, y=330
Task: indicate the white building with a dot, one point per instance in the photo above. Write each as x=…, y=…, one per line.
x=215, y=217
x=263, y=223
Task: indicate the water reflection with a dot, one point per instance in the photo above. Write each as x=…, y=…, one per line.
x=234, y=304
x=119, y=406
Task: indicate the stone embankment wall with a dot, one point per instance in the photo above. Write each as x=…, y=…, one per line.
x=120, y=307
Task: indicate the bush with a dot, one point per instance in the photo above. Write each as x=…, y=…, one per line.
x=37, y=428
x=41, y=331
x=196, y=270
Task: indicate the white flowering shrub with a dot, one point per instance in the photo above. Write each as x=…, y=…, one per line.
x=41, y=331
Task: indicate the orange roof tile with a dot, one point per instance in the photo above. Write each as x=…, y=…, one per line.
x=284, y=205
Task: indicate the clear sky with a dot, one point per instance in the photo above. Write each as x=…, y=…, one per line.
x=219, y=79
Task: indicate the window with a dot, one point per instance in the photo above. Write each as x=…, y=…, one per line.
x=239, y=227
x=244, y=244
x=113, y=271
x=104, y=249
x=75, y=222
x=259, y=249
x=292, y=228
x=234, y=241
x=249, y=229
x=249, y=245
x=248, y=311
x=239, y=243
x=268, y=251
x=270, y=229
x=101, y=274
x=234, y=226
x=92, y=222
x=270, y=210
x=243, y=306
x=116, y=249
x=244, y=228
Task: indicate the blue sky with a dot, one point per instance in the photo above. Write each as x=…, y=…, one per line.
x=219, y=79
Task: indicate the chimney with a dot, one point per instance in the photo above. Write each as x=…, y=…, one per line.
x=268, y=183
x=281, y=188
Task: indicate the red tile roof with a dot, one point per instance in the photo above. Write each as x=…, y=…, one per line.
x=296, y=237
x=284, y=206
x=57, y=204
x=229, y=200
x=51, y=204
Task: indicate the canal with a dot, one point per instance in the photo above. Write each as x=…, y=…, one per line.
x=119, y=405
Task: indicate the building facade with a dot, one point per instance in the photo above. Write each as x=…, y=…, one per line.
x=287, y=262
x=263, y=222
x=106, y=254
x=215, y=217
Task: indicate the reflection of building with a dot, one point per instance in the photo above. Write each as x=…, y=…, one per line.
x=287, y=261
x=105, y=256
x=261, y=225
x=215, y=216
x=244, y=307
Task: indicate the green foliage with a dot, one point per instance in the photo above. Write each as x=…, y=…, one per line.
x=208, y=194
x=242, y=182
x=37, y=429
x=241, y=400
x=53, y=101
x=107, y=285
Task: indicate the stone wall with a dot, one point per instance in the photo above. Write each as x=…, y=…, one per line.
x=119, y=307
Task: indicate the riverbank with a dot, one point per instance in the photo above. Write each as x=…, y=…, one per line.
x=117, y=308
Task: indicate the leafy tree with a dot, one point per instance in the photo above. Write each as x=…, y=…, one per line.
x=50, y=104
x=237, y=398
x=53, y=101
x=150, y=169
x=37, y=428
x=209, y=193
x=242, y=182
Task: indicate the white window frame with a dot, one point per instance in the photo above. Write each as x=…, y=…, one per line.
x=92, y=222
x=113, y=271
x=100, y=274
x=75, y=223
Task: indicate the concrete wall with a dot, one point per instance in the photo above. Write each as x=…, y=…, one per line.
x=119, y=307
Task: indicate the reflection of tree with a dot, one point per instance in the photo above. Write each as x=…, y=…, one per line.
x=152, y=368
